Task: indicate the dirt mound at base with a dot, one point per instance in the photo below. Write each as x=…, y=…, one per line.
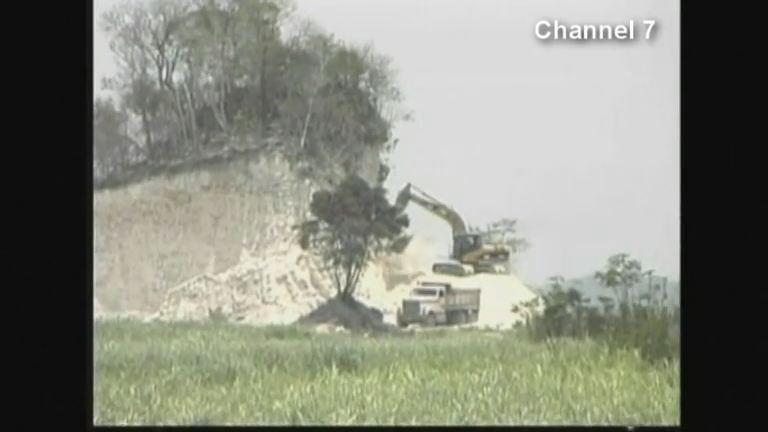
x=348, y=313
x=286, y=284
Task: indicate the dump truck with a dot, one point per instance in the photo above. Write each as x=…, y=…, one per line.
x=435, y=303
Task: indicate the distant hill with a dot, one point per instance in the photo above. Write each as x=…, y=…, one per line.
x=591, y=288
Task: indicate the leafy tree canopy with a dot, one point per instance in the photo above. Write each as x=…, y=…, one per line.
x=351, y=225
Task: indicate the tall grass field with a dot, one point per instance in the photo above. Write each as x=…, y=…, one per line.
x=224, y=374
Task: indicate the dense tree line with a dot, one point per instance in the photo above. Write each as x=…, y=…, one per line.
x=636, y=317
x=197, y=76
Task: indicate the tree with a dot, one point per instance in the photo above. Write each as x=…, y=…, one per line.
x=621, y=274
x=304, y=74
x=198, y=74
x=563, y=309
x=112, y=145
x=144, y=39
x=352, y=224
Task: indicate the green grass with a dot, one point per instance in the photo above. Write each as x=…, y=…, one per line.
x=216, y=373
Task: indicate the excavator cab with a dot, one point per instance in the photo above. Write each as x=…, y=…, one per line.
x=464, y=243
x=484, y=256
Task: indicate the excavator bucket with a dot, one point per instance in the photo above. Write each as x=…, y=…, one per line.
x=401, y=202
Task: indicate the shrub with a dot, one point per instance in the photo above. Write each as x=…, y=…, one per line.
x=648, y=328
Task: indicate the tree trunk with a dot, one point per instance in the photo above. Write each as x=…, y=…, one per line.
x=263, y=91
x=146, y=128
x=191, y=113
x=347, y=281
x=217, y=107
x=179, y=113
x=302, y=142
x=337, y=281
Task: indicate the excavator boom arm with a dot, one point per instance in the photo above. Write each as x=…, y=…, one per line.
x=412, y=193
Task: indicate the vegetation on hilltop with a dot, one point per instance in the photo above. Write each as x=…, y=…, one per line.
x=197, y=77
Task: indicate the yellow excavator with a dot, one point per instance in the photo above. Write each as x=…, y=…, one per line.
x=471, y=253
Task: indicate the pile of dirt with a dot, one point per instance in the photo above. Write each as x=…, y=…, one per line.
x=349, y=314
x=286, y=283
x=501, y=301
x=276, y=288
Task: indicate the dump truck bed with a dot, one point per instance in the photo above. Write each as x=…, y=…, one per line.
x=462, y=298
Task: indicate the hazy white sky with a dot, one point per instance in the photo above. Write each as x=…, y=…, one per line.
x=579, y=142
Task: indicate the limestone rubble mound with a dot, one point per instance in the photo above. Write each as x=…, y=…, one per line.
x=286, y=285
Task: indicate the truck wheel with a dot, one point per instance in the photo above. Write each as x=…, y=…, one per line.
x=431, y=320
x=461, y=317
x=451, y=318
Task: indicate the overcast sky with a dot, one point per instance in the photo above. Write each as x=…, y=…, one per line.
x=579, y=142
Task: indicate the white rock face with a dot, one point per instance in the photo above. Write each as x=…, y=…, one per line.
x=160, y=232
x=219, y=239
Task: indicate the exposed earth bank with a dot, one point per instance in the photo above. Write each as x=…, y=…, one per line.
x=216, y=242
